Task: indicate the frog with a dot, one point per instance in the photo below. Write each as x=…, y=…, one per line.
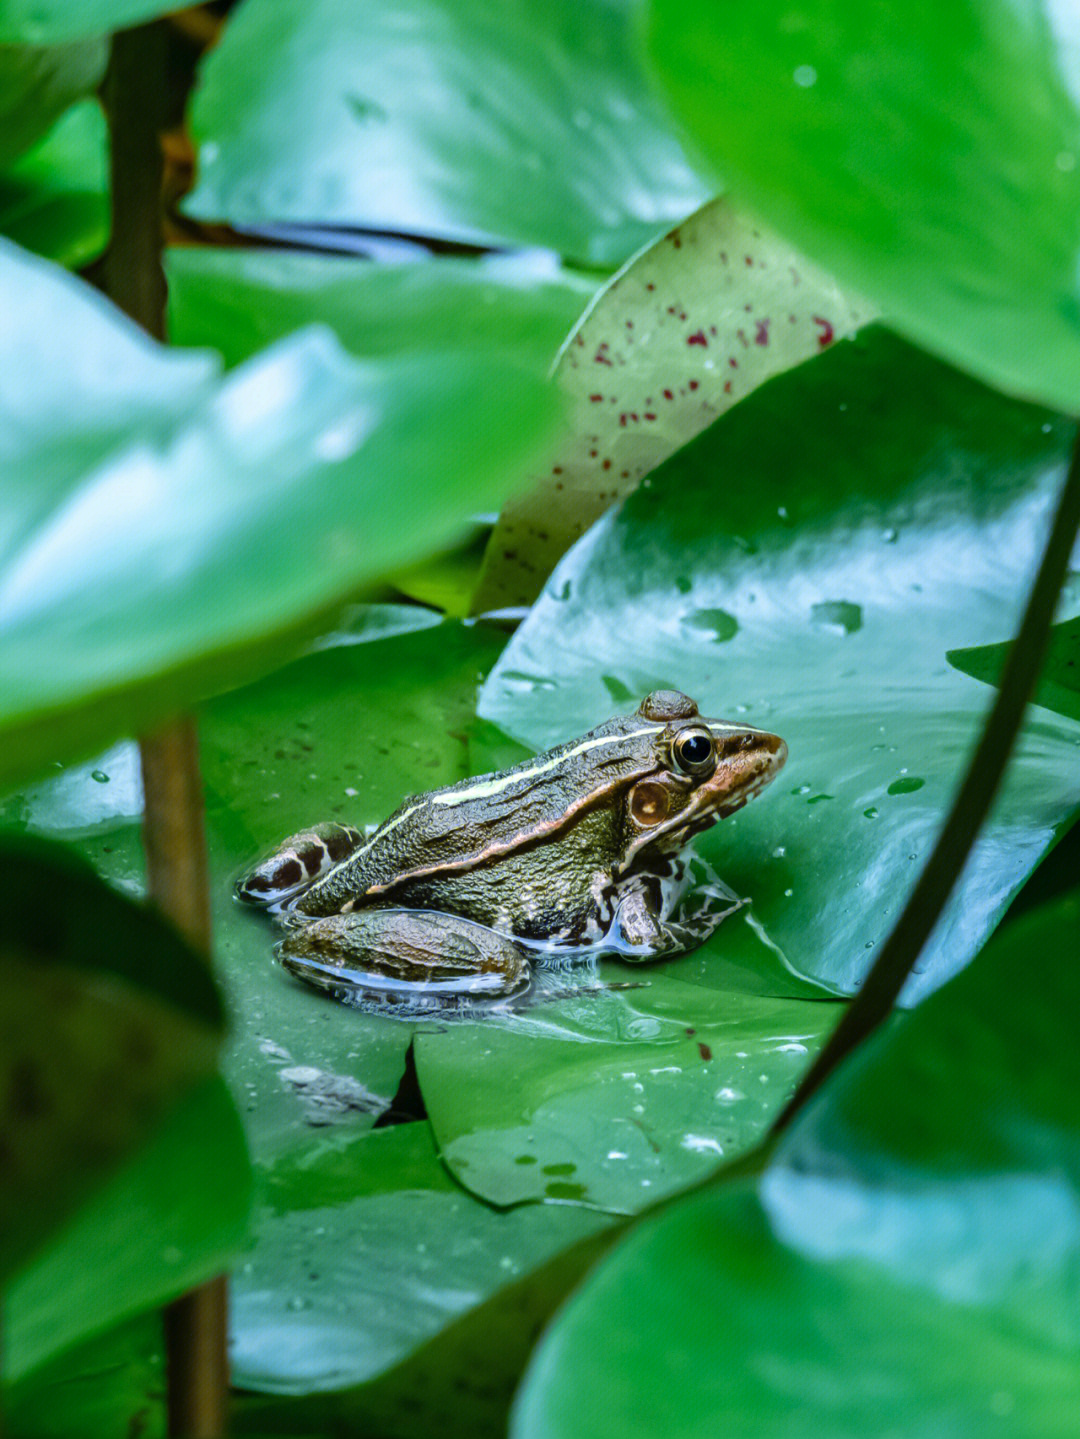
x=575, y=850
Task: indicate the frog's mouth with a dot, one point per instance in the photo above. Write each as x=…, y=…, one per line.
x=735, y=783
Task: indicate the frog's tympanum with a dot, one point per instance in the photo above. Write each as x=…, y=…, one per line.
x=576, y=848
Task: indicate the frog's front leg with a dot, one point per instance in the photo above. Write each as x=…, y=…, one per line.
x=298, y=862
x=642, y=934
x=404, y=956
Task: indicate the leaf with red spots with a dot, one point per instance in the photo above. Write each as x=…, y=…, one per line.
x=680, y=335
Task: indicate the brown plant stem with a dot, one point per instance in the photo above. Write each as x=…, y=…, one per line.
x=173, y=835
x=985, y=771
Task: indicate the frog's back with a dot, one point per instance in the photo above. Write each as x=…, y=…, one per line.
x=478, y=820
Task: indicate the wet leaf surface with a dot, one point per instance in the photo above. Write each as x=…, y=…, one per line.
x=521, y=125
x=912, y=1249
x=958, y=219
x=344, y=733
x=685, y=331
x=616, y=1099
x=366, y=1247
x=808, y=562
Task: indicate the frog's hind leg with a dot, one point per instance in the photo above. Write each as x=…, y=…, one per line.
x=298, y=862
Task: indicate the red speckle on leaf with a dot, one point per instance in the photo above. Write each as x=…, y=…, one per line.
x=693, y=384
x=733, y=362
x=761, y=334
x=704, y=1050
x=749, y=259
x=668, y=395
x=556, y=469
x=827, y=333
x=649, y=416
x=622, y=419
x=712, y=329
x=606, y=465
x=629, y=324
x=593, y=454
x=727, y=387
x=697, y=338
x=723, y=257
x=672, y=309
x=580, y=340
x=601, y=358
x=649, y=285
x=596, y=399
x=676, y=239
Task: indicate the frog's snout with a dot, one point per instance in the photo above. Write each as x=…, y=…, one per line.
x=777, y=751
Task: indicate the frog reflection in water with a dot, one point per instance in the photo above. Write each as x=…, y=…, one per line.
x=578, y=847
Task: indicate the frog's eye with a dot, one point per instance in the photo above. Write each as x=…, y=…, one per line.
x=693, y=752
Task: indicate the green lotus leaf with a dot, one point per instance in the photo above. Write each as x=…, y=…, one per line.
x=38, y=84
x=534, y=126
x=809, y=562
x=107, y=1018
x=911, y=1250
x=1059, y=686
x=41, y=22
x=55, y=199
x=162, y=530
x=929, y=155
x=239, y=301
x=173, y=1215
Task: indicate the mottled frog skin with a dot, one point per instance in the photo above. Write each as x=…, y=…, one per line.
x=568, y=849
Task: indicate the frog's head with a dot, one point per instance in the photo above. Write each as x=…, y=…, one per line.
x=708, y=769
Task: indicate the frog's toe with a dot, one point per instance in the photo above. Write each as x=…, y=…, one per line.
x=297, y=862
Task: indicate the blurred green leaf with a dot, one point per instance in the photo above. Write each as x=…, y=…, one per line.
x=175, y=1214
x=37, y=85
x=911, y=1251
x=106, y=1019
x=37, y=22
x=160, y=529
x=928, y=154
x=1059, y=686
x=685, y=331
x=808, y=562
x=519, y=124
x=112, y=1384
x=239, y=301
x=55, y=199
